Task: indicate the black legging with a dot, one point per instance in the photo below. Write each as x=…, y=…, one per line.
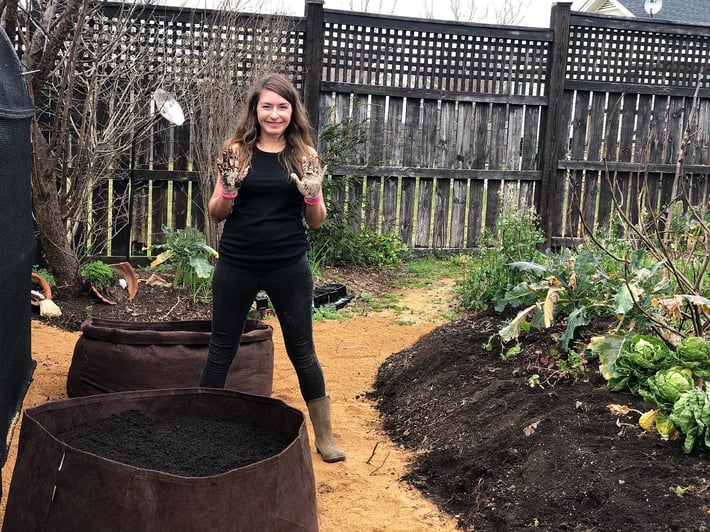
x=290, y=290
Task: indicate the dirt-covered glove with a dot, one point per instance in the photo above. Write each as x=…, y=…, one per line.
x=231, y=174
x=311, y=181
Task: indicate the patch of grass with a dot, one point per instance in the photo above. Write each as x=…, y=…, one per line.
x=330, y=313
x=423, y=271
x=385, y=301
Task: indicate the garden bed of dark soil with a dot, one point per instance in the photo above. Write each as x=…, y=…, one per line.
x=493, y=447
x=503, y=453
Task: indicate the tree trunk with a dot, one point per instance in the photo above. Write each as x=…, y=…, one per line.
x=61, y=259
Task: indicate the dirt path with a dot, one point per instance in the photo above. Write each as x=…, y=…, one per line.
x=364, y=492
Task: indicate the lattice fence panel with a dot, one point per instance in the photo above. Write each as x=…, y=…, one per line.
x=462, y=58
x=625, y=55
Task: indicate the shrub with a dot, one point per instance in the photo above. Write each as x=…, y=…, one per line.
x=487, y=275
x=187, y=250
x=99, y=275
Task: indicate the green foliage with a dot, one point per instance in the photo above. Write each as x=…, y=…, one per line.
x=691, y=415
x=694, y=353
x=665, y=379
x=337, y=240
x=577, y=288
x=664, y=387
x=427, y=270
x=45, y=274
x=188, y=252
x=364, y=247
x=99, y=274
x=639, y=358
x=486, y=274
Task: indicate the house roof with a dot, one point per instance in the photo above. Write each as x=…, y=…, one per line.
x=691, y=11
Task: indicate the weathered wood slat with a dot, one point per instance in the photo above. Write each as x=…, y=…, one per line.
x=446, y=138
x=159, y=212
x=498, y=141
x=355, y=201
x=531, y=139
x=458, y=214
x=627, y=133
x=422, y=236
x=372, y=203
x=479, y=157
x=406, y=212
x=701, y=142
x=493, y=191
x=464, y=137
x=377, y=125
x=390, y=191
x=413, y=133
x=442, y=205
x=475, y=213
x=644, y=129
x=394, y=133
x=430, y=121
x=516, y=114
x=580, y=126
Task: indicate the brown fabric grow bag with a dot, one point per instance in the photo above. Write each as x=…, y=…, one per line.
x=118, y=356
x=57, y=488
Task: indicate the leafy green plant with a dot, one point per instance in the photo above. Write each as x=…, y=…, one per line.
x=337, y=240
x=187, y=250
x=577, y=288
x=691, y=415
x=45, y=274
x=664, y=387
x=362, y=247
x=666, y=380
x=98, y=274
x=694, y=353
x=487, y=274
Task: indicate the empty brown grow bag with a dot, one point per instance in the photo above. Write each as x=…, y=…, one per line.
x=58, y=488
x=118, y=356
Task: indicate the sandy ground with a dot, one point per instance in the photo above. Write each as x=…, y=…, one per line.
x=363, y=493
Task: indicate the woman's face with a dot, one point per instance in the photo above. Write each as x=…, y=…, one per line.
x=273, y=113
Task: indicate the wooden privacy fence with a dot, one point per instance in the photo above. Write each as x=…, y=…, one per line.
x=465, y=120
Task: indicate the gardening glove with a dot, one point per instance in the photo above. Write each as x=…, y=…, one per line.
x=231, y=174
x=310, y=182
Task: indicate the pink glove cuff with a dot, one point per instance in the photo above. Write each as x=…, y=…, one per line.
x=228, y=196
x=313, y=201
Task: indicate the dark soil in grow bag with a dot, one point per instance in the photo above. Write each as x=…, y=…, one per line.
x=186, y=446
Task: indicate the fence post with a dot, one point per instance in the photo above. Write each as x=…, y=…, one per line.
x=553, y=131
x=313, y=59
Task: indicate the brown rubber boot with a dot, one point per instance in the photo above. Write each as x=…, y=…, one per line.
x=319, y=410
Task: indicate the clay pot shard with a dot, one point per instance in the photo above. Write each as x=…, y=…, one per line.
x=44, y=292
x=113, y=294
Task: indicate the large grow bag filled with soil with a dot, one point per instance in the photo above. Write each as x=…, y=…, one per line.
x=69, y=488
x=118, y=356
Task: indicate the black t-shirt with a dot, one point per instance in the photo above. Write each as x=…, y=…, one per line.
x=266, y=226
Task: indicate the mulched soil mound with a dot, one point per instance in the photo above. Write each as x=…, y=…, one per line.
x=184, y=445
x=502, y=452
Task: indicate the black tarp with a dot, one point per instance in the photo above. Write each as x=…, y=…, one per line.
x=17, y=243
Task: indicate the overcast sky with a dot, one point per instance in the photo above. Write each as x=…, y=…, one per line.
x=537, y=12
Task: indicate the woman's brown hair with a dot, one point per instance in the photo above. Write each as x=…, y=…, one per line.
x=298, y=134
